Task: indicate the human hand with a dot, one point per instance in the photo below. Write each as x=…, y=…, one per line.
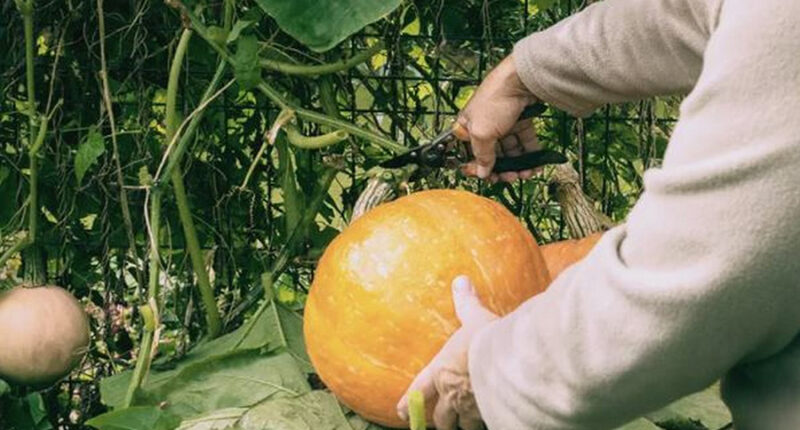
x=446, y=377
x=490, y=123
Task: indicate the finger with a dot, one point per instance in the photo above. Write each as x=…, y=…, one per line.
x=528, y=139
x=444, y=416
x=512, y=145
x=469, y=308
x=509, y=176
x=469, y=169
x=424, y=383
x=493, y=178
x=526, y=174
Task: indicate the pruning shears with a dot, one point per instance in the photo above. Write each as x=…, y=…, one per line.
x=447, y=151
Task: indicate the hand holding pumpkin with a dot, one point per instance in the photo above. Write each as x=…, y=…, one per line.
x=490, y=122
x=447, y=376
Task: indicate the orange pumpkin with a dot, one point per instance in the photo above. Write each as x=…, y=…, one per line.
x=562, y=254
x=380, y=306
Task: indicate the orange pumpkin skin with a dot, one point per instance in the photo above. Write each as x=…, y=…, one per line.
x=380, y=306
x=558, y=256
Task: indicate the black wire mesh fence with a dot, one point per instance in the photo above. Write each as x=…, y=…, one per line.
x=436, y=54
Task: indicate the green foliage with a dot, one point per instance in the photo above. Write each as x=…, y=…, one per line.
x=23, y=413
x=247, y=70
x=135, y=418
x=435, y=53
x=321, y=24
x=310, y=411
x=88, y=152
x=4, y=388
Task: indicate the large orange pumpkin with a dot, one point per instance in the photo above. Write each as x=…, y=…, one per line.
x=562, y=254
x=380, y=306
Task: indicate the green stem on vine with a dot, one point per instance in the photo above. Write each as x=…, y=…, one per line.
x=35, y=271
x=213, y=320
x=313, y=142
x=314, y=205
x=293, y=241
x=185, y=138
x=322, y=69
x=146, y=344
x=283, y=103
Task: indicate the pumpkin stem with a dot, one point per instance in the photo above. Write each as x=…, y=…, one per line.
x=381, y=187
x=580, y=214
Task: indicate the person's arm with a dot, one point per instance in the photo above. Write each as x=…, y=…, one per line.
x=704, y=274
x=617, y=50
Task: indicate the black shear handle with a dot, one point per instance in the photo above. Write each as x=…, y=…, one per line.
x=528, y=160
x=532, y=111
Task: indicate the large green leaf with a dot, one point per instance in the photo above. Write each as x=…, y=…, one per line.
x=321, y=24
x=221, y=419
x=88, y=152
x=4, y=388
x=639, y=424
x=705, y=407
x=135, y=418
x=312, y=411
x=237, y=380
x=262, y=332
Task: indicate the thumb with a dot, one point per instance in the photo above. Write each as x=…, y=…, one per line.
x=469, y=309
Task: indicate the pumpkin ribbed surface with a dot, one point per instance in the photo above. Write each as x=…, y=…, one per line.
x=380, y=306
x=560, y=255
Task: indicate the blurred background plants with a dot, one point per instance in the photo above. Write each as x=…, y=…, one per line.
x=185, y=159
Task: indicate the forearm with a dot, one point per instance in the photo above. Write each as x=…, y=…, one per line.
x=617, y=50
x=703, y=275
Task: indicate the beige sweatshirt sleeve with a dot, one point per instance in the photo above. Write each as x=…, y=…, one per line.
x=704, y=276
x=616, y=51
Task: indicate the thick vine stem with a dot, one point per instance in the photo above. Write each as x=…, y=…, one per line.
x=213, y=320
x=313, y=142
x=322, y=69
x=35, y=270
x=580, y=215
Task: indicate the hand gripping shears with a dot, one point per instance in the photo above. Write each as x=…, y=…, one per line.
x=446, y=150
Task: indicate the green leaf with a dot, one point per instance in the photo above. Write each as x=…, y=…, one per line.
x=4, y=172
x=135, y=418
x=221, y=419
x=26, y=413
x=4, y=388
x=543, y=5
x=322, y=24
x=245, y=62
x=705, y=407
x=293, y=197
x=292, y=327
x=640, y=424
x=240, y=379
x=262, y=334
x=238, y=26
x=88, y=152
x=311, y=411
